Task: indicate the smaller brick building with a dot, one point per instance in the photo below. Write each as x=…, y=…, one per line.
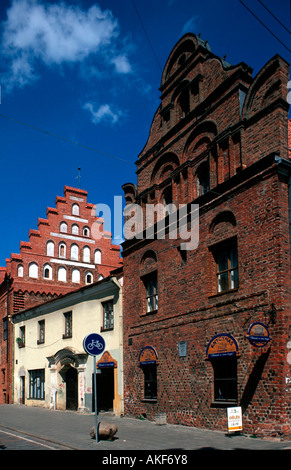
x=209, y=328
x=68, y=250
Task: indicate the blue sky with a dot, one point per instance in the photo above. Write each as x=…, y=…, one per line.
x=88, y=73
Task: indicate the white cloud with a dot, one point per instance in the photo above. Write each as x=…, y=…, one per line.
x=103, y=113
x=191, y=25
x=122, y=64
x=54, y=34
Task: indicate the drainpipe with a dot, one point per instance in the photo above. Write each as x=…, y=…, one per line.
x=285, y=168
x=8, y=283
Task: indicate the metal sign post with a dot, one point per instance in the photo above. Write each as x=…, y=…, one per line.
x=94, y=345
x=95, y=399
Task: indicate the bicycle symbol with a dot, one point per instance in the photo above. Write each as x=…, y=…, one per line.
x=94, y=344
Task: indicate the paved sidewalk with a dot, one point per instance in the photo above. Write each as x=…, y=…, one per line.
x=73, y=429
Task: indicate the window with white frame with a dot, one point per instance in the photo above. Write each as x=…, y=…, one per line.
x=76, y=275
x=20, y=270
x=86, y=231
x=33, y=270
x=86, y=254
x=62, y=250
x=75, y=252
x=63, y=227
x=75, y=229
x=97, y=257
x=47, y=272
x=50, y=248
x=75, y=209
x=62, y=274
x=88, y=278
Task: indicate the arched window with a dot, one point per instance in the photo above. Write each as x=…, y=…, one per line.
x=184, y=103
x=33, y=270
x=50, y=248
x=20, y=270
x=86, y=232
x=88, y=278
x=62, y=274
x=97, y=257
x=76, y=275
x=63, y=227
x=62, y=250
x=74, y=252
x=75, y=209
x=203, y=183
x=47, y=271
x=86, y=254
x=75, y=229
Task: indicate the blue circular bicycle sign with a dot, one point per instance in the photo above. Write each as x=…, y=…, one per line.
x=94, y=344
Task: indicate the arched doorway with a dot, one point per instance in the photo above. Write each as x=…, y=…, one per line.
x=71, y=378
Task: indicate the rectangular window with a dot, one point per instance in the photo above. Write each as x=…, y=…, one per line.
x=36, y=384
x=150, y=381
x=68, y=325
x=227, y=269
x=108, y=317
x=151, y=286
x=225, y=379
x=21, y=339
x=41, y=332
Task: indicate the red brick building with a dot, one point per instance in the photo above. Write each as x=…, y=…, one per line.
x=209, y=328
x=68, y=250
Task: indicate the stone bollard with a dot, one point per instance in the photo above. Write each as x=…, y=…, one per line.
x=105, y=431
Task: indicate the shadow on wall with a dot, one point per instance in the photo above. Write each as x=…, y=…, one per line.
x=254, y=379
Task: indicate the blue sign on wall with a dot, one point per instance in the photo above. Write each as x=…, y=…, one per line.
x=258, y=335
x=94, y=344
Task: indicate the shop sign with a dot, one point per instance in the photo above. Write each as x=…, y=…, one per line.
x=234, y=419
x=106, y=361
x=148, y=356
x=222, y=345
x=258, y=335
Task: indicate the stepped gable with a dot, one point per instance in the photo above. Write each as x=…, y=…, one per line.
x=68, y=249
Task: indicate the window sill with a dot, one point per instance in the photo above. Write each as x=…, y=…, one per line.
x=102, y=329
x=218, y=294
x=67, y=336
x=152, y=312
x=39, y=341
x=149, y=400
x=38, y=399
x=224, y=404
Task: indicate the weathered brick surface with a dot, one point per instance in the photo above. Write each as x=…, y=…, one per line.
x=248, y=202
